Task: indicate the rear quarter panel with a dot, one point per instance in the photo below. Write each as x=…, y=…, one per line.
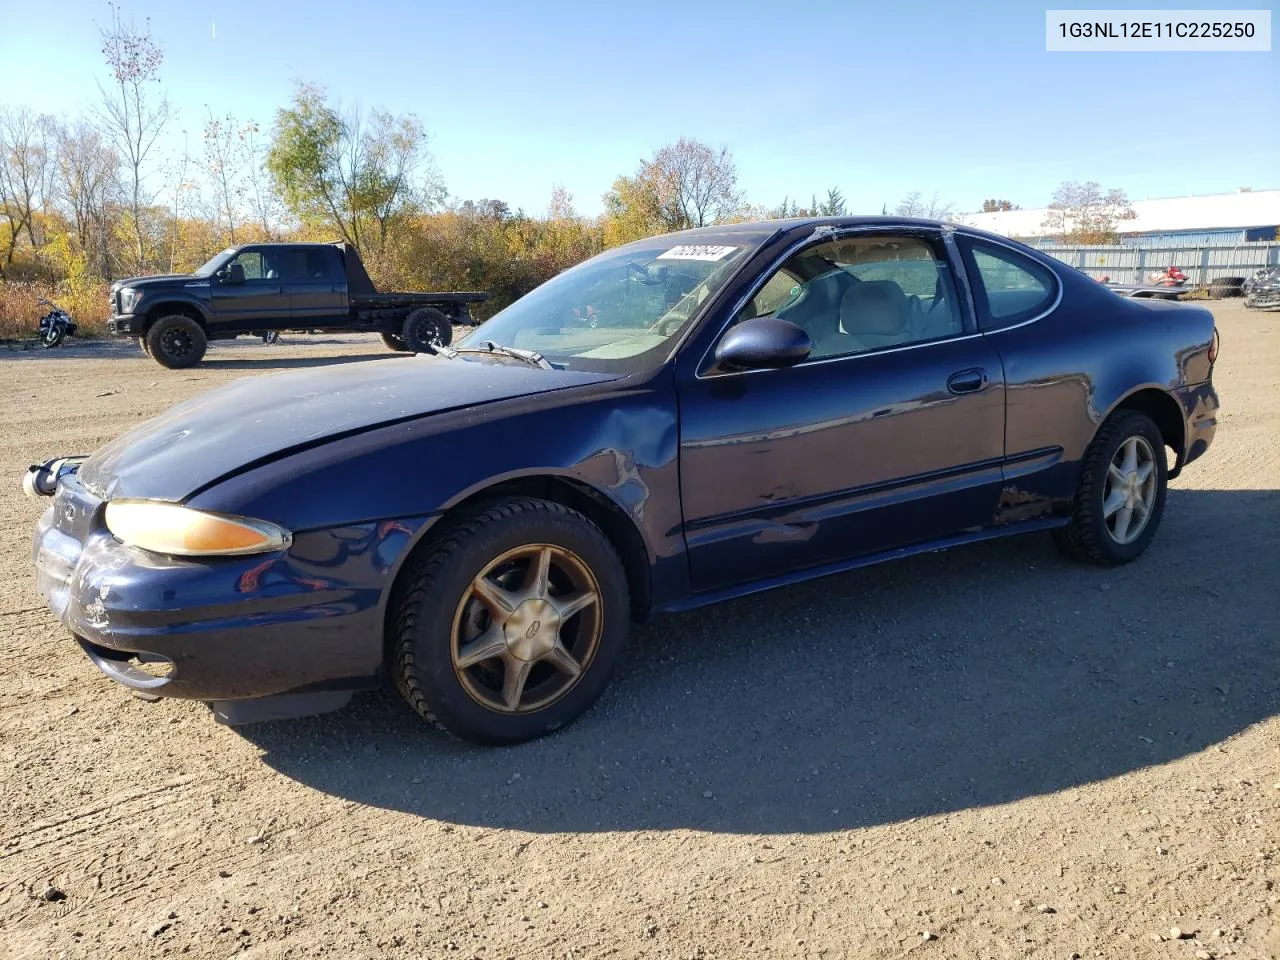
x=1067, y=372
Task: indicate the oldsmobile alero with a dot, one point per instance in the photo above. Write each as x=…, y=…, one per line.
x=678, y=421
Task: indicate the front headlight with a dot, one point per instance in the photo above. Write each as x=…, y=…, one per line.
x=129, y=298
x=181, y=531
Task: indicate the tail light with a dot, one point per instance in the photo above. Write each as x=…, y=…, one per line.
x=1213, y=347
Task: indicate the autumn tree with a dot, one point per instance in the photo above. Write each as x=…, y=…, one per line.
x=356, y=173
x=686, y=184
x=998, y=206
x=134, y=113
x=87, y=169
x=1085, y=213
x=26, y=169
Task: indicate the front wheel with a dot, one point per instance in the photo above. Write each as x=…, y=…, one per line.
x=509, y=623
x=1120, y=497
x=176, y=341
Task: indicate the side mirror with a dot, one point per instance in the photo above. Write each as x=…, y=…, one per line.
x=763, y=343
x=231, y=273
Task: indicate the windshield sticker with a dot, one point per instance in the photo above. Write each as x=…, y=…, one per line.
x=695, y=251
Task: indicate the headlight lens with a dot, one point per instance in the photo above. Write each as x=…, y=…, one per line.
x=181, y=531
x=129, y=298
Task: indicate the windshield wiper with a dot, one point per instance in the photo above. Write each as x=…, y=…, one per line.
x=531, y=357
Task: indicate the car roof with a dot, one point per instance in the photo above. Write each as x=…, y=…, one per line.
x=798, y=223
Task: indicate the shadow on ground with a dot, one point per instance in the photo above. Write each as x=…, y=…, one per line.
x=242, y=354
x=943, y=682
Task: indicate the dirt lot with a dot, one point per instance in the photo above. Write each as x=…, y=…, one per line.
x=986, y=753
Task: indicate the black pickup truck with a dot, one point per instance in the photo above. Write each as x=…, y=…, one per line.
x=260, y=287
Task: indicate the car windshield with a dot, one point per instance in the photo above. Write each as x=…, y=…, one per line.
x=622, y=310
x=207, y=268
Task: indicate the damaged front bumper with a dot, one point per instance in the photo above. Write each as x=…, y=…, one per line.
x=257, y=637
x=1268, y=299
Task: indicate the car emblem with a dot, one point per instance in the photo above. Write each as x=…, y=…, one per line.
x=533, y=630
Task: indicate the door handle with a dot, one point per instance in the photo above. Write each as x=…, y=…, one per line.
x=967, y=381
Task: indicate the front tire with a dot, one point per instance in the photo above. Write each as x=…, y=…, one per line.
x=176, y=341
x=508, y=625
x=425, y=329
x=1120, y=497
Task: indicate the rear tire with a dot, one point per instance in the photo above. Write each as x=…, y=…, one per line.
x=441, y=620
x=425, y=329
x=393, y=341
x=176, y=341
x=1094, y=534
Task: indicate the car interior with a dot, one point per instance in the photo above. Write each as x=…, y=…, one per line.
x=861, y=294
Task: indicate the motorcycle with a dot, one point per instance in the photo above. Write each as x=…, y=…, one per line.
x=55, y=325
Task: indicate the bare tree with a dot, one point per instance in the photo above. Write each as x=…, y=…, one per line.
x=264, y=203
x=133, y=115
x=1085, y=213
x=87, y=170
x=935, y=208
x=223, y=160
x=696, y=185
x=26, y=171
x=186, y=192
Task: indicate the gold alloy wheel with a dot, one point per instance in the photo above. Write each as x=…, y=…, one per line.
x=526, y=629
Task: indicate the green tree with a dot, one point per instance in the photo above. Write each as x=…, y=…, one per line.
x=834, y=205
x=357, y=174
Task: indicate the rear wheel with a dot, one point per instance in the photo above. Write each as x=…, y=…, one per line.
x=176, y=341
x=509, y=624
x=425, y=329
x=393, y=341
x=1120, y=497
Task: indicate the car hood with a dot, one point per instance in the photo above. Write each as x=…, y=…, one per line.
x=258, y=419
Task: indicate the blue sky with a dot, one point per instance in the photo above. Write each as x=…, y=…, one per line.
x=876, y=98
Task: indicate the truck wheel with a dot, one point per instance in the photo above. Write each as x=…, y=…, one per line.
x=424, y=328
x=393, y=341
x=142, y=342
x=176, y=341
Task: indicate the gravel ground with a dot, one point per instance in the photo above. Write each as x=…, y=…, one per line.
x=986, y=753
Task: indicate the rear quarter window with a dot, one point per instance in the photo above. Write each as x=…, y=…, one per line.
x=1009, y=287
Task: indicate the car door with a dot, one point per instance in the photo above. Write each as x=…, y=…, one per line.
x=317, y=287
x=891, y=433
x=258, y=300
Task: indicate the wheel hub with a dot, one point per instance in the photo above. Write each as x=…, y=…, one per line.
x=531, y=630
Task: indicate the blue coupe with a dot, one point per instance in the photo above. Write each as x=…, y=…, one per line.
x=675, y=422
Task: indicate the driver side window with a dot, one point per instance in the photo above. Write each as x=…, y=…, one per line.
x=863, y=293
x=251, y=262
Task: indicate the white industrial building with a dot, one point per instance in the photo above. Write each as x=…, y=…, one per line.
x=1217, y=218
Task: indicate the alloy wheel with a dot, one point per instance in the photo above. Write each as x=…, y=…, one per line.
x=526, y=628
x=1130, y=491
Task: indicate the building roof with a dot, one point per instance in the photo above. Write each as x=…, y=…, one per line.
x=1215, y=211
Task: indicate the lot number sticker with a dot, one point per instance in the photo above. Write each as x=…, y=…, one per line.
x=695, y=251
